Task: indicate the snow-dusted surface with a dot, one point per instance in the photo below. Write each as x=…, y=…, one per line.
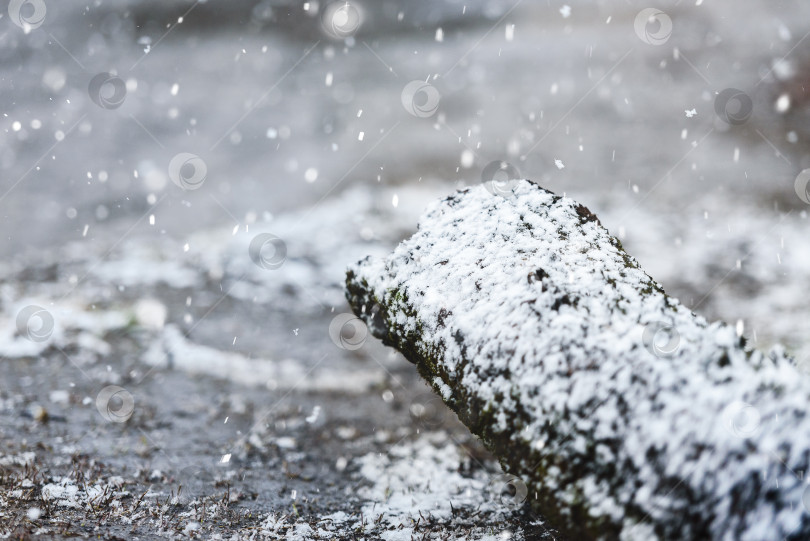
x=415, y=488
x=152, y=291
x=616, y=404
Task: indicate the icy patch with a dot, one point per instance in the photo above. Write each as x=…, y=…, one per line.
x=72, y=323
x=155, y=285
x=173, y=350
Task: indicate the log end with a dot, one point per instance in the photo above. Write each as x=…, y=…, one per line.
x=602, y=393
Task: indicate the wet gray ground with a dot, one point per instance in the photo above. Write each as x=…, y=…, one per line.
x=152, y=288
x=196, y=393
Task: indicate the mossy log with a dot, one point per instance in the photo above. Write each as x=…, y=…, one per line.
x=626, y=415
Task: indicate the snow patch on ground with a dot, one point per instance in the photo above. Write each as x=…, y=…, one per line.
x=173, y=350
x=421, y=478
x=414, y=490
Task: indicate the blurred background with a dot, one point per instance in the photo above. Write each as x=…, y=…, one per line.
x=182, y=185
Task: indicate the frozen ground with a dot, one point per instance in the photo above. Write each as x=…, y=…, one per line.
x=294, y=431
x=238, y=391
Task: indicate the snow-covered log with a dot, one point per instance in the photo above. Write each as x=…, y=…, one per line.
x=626, y=415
